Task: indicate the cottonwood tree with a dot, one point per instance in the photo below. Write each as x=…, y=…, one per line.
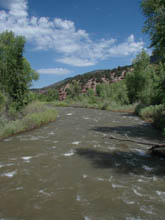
x=154, y=11
x=16, y=74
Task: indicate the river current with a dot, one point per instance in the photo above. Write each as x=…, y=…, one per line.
x=70, y=170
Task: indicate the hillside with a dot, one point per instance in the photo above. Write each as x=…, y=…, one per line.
x=87, y=81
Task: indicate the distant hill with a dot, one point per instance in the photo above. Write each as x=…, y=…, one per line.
x=87, y=80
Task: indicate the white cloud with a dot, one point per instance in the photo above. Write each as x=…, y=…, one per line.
x=73, y=47
x=75, y=61
x=54, y=71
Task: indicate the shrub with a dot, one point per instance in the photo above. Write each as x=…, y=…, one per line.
x=149, y=112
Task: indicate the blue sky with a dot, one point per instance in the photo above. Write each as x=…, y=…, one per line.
x=70, y=37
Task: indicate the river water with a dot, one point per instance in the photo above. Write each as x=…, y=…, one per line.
x=69, y=170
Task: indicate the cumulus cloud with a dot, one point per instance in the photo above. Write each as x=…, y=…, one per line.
x=54, y=71
x=73, y=47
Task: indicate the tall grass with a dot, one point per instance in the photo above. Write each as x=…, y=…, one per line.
x=33, y=116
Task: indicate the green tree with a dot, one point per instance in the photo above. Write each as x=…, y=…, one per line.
x=138, y=79
x=15, y=72
x=160, y=86
x=52, y=95
x=154, y=11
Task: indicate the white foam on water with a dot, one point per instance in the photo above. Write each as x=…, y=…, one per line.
x=134, y=218
x=54, y=147
x=33, y=138
x=117, y=186
x=147, y=210
x=10, y=174
x=76, y=142
x=87, y=218
x=45, y=193
x=85, y=176
x=137, y=193
x=78, y=198
x=110, y=178
x=112, y=148
x=148, y=168
x=55, y=142
x=27, y=159
x=1, y=165
x=100, y=179
x=141, y=180
x=128, y=202
x=142, y=153
x=161, y=194
x=6, y=165
x=7, y=139
x=86, y=118
x=19, y=188
x=51, y=133
x=70, y=153
x=69, y=114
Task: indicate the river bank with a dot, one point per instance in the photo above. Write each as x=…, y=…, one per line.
x=32, y=116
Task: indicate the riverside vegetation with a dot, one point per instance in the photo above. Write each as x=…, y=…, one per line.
x=141, y=91
x=17, y=111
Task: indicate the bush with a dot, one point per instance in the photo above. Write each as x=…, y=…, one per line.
x=149, y=112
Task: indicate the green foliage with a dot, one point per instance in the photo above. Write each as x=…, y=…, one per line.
x=13, y=113
x=49, y=96
x=160, y=84
x=15, y=71
x=115, y=92
x=2, y=101
x=52, y=95
x=73, y=90
x=154, y=11
x=153, y=113
x=149, y=112
x=142, y=81
x=90, y=93
x=28, y=73
x=34, y=115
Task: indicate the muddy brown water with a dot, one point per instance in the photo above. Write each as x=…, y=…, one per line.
x=67, y=170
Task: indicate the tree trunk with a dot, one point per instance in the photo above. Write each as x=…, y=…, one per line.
x=155, y=146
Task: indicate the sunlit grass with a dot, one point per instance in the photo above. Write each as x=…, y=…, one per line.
x=33, y=116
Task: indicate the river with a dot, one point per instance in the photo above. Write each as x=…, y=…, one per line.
x=69, y=170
